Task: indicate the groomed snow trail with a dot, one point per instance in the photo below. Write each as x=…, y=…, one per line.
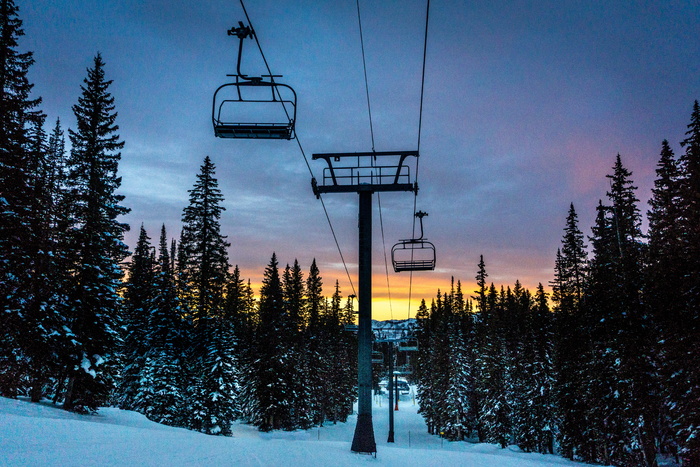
x=43, y=435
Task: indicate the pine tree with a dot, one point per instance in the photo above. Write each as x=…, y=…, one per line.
x=349, y=358
x=272, y=359
x=685, y=358
x=17, y=118
x=162, y=389
x=492, y=367
x=663, y=284
x=44, y=322
x=535, y=426
x=460, y=391
x=479, y=342
x=295, y=304
x=571, y=342
x=96, y=242
x=203, y=261
x=314, y=356
x=51, y=278
x=248, y=406
x=619, y=368
x=203, y=274
x=334, y=364
x=138, y=304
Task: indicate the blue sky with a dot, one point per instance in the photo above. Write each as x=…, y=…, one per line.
x=526, y=106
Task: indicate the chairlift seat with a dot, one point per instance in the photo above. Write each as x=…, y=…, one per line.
x=253, y=130
x=413, y=255
x=377, y=357
x=232, y=107
x=409, y=345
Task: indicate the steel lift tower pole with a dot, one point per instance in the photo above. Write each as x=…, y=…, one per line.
x=363, y=441
x=365, y=176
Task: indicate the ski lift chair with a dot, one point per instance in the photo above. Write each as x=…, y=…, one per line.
x=410, y=345
x=254, y=107
x=414, y=254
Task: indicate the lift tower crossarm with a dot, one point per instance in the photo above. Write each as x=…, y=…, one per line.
x=353, y=178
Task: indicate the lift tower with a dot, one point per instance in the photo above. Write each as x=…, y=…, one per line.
x=365, y=173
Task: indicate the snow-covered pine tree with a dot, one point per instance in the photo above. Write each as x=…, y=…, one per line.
x=517, y=304
x=17, y=114
x=663, y=283
x=423, y=369
x=481, y=312
x=441, y=317
x=426, y=390
x=619, y=369
x=636, y=333
x=162, y=390
x=534, y=415
x=44, y=321
x=492, y=364
x=55, y=261
x=349, y=358
x=97, y=245
x=314, y=306
x=294, y=302
x=684, y=355
x=246, y=329
x=238, y=311
x=339, y=382
x=272, y=357
x=203, y=257
x=461, y=415
x=203, y=273
x=138, y=303
x=571, y=341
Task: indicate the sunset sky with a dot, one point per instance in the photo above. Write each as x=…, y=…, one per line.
x=527, y=104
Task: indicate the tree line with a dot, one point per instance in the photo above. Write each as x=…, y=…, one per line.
x=200, y=351
x=611, y=373
x=174, y=332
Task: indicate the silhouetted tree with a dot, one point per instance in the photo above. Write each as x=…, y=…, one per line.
x=18, y=116
x=162, y=391
x=138, y=304
x=96, y=238
x=684, y=357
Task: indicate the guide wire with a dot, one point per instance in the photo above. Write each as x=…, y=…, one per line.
x=371, y=131
x=420, y=127
x=303, y=153
x=386, y=264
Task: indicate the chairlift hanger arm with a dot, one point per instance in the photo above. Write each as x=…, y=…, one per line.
x=242, y=32
x=420, y=215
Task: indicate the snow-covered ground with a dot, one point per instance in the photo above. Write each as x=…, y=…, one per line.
x=43, y=435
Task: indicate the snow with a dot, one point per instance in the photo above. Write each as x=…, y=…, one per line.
x=41, y=434
x=85, y=365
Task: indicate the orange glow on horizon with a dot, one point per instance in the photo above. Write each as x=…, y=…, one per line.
x=424, y=285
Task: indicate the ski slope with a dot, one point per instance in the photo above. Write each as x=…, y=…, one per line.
x=43, y=435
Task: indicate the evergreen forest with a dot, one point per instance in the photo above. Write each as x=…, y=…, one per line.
x=604, y=369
